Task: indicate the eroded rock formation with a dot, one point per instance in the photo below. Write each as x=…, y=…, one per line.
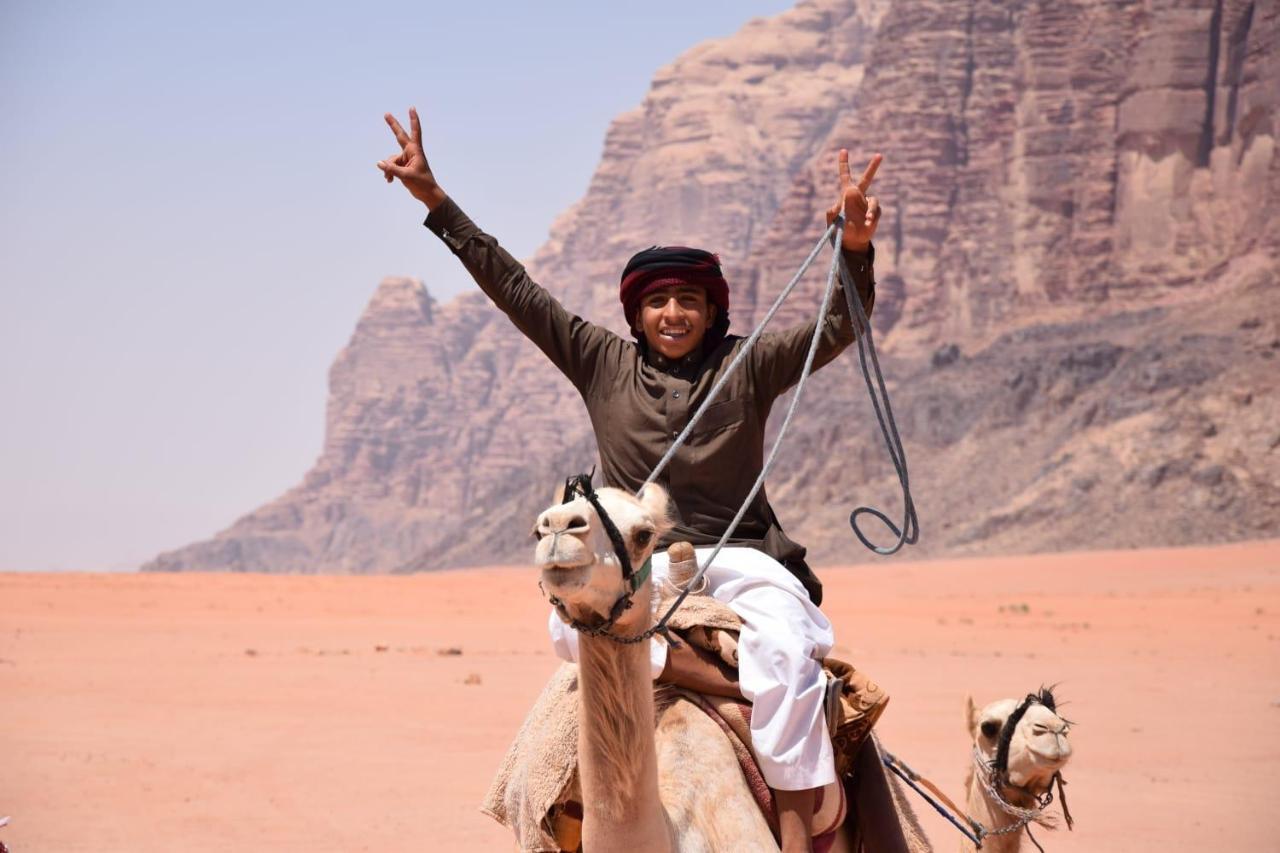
x=1078, y=309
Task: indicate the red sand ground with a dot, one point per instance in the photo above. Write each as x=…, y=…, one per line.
x=220, y=712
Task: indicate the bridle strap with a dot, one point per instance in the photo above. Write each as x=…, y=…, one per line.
x=580, y=484
x=1000, y=766
x=622, y=605
x=643, y=575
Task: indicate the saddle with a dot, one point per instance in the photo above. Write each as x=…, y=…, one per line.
x=854, y=704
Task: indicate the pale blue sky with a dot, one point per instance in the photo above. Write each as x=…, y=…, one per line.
x=191, y=222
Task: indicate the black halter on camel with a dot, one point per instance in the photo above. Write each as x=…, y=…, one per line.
x=997, y=771
x=580, y=485
x=994, y=776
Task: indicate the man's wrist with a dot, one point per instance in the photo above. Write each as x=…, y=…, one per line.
x=433, y=198
x=449, y=223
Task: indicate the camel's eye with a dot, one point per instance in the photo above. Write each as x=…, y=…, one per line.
x=990, y=728
x=643, y=538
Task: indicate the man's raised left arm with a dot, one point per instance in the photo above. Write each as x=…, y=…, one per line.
x=779, y=357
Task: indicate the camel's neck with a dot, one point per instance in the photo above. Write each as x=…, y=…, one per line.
x=616, y=756
x=981, y=808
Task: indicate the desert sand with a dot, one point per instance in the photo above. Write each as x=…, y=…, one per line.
x=220, y=712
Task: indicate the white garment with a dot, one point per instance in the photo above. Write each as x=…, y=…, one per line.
x=784, y=638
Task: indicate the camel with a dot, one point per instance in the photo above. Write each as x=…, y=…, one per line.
x=665, y=788
x=1037, y=751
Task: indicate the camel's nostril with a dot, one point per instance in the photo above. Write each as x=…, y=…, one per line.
x=576, y=521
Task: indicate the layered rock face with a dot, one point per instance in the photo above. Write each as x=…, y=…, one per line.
x=1078, y=306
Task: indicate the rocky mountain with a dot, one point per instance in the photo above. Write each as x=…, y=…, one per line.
x=1078, y=306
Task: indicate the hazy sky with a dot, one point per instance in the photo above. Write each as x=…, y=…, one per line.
x=191, y=222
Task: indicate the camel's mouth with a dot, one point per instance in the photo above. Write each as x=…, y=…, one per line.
x=1036, y=768
x=561, y=552
x=565, y=578
x=1053, y=760
x=565, y=565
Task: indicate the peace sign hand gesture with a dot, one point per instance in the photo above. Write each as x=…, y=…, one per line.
x=861, y=212
x=410, y=165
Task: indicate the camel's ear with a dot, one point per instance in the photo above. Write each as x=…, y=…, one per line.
x=971, y=716
x=655, y=502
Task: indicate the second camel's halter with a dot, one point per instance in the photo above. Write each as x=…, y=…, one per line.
x=994, y=775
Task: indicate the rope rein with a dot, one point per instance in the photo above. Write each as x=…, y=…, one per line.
x=909, y=531
x=974, y=831
x=660, y=627
x=836, y=262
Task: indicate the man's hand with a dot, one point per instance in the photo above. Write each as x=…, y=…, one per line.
x=861, y=212
x=410, y=165
x=690, y=667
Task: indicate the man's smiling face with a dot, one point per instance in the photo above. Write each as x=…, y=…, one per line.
x=675, y=319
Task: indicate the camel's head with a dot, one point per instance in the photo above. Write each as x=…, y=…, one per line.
x=576, y=555
x=1034, y=745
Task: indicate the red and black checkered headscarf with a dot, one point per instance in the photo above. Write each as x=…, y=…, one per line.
x=665, y=266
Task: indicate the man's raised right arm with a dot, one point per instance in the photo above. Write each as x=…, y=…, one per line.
x=575, y=346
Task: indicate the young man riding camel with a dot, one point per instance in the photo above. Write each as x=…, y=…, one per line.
x=639, y=395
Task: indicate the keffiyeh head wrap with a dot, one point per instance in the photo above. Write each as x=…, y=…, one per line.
x=665, y=266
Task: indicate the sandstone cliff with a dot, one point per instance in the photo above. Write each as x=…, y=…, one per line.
x=1078, y=303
